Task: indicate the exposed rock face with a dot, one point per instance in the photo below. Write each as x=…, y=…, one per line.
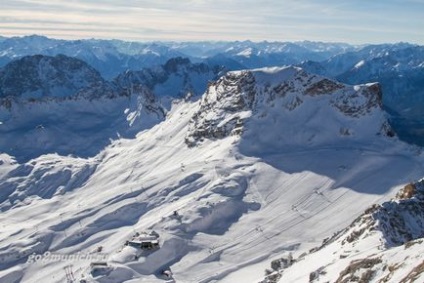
x=239, y=95
x=376, y=247
x=399, y=221
x=221, y=110
x=402, y=220
x=361, y=103
x=45, y=76
x=43, y=97
x=323, y=86
x=178, y=77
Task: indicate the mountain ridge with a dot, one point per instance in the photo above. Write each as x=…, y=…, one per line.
x=270, y=174
x=44, y=76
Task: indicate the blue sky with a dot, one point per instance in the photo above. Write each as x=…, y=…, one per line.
x=355, y=21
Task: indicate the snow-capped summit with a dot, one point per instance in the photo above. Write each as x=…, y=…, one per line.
x=109, y=57
x=399, y=70
x=40, y=76
x=62, y=105
x=265, y=163
x=305, y=108
x=37, y=88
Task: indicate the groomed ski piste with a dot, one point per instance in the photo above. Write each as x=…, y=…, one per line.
x=284, y=171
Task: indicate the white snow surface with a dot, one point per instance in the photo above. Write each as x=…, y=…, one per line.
x=223, y=208
x=384, y=244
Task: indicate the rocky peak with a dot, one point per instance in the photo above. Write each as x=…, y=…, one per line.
x=222, y=107
x=176, y=78
x=172, y=65
x=46, y=76
x=239, y=95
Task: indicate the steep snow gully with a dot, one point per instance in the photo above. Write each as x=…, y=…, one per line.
x=264, y=165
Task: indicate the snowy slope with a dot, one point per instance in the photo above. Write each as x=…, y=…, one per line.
x=64, y=106
x=267, y=162
x=78, y=126
x=385, y=244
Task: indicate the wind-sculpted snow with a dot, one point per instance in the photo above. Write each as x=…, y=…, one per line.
x=43, y=180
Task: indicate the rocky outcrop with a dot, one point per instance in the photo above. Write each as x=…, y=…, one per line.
x=221, y=108
x=235, y=97
x=362, y=102
x=398, y=221
x=384, y=244
x=178, y=77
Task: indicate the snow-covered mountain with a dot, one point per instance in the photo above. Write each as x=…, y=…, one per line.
x=177, y=78
x=384, y=244
x=295, y=50
x=247, y=54
x=109, y=57
x=70, y=109
x=399, y=68
x=112, y=57
x=400, y=71
x=265, y=163
x=230, y=101
x=40, y=76
x=344, y=61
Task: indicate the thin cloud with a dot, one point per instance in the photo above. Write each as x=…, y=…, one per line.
x=327, y=20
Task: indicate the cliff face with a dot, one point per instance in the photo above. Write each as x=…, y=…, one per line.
x=243, y=96
x=177, y=78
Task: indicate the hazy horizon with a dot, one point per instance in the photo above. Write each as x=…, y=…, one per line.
x=165, y=41
x=374, y=22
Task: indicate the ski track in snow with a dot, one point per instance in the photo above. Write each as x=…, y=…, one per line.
x=235, y=210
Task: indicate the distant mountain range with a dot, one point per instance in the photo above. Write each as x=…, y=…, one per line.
x=112, y=57
x=48, y=95
x=228, y=172
x=198, y=162
x=399, y=68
